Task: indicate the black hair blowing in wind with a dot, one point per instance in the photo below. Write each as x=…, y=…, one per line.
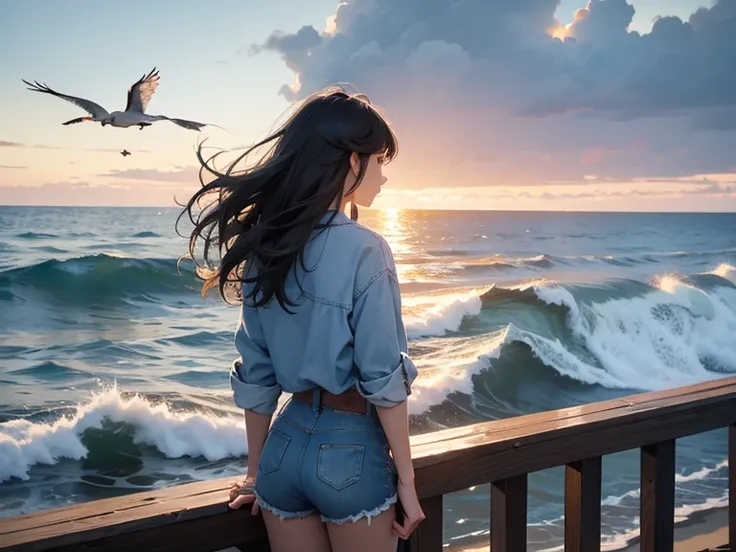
x=265, y=214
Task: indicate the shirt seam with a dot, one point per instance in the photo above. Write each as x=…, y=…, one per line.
x=387, y=270
x=328, y=302
x=382, y=245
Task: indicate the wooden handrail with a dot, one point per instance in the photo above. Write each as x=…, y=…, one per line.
x=194, y=517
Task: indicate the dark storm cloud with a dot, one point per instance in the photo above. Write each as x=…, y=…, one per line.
x=490, y=80
x=507, y=57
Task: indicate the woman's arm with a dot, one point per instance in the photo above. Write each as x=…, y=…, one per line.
x=255, y=387
x=256, y=430
x=386, y=372
x=395, y=422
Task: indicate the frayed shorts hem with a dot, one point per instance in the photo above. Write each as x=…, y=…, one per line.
x=368, y=514
x=282, y=514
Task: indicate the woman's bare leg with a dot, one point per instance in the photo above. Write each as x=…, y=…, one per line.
x=306, y=534
x=361, y=537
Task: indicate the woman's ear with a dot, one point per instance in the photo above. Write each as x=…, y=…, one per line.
x=355, y=163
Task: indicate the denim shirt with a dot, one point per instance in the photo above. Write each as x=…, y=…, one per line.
x=347, y=329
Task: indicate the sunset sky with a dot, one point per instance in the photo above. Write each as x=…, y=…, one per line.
x=503, y=104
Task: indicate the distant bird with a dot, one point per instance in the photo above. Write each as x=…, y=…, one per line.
x=134, y=115
x=125, y=153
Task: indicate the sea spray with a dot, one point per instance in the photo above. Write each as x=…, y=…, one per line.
x=651, y=337
x=674, y=335
x=175, y=434
x=436, y=314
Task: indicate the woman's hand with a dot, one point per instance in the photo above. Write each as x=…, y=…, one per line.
x=413, y=514
x=243, y=494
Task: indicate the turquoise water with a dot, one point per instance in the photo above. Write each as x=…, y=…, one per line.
x=113, y=369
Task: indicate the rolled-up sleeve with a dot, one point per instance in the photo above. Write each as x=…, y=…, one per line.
x=386, y=372
x=252, y=376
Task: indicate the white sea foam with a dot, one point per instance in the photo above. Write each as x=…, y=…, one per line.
x=438, y=313
x=453, y=370
x=726, y=271
x=673, y=336
x=619, y=540
x=24, y=443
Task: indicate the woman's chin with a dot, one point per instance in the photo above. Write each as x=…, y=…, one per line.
x=366, y=201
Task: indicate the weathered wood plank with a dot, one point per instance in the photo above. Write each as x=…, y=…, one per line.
x=568, y=415
x=199, y=535
x=428, y=536
x=583, y=505
x=732, y=485
x=452, y=460
x=450, y=439
x=658, y=497
x=215, y=489
x=508, y=514
x=497, y=455
x=206, y=521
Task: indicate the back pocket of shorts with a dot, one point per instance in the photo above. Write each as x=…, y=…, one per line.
x=273, y=451
x=339, y=466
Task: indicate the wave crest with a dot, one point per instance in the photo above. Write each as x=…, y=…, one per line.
x=193, y=434
x=619, y=336
x=98, y=278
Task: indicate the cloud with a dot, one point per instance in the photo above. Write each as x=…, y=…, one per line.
x=89, y=193
x=593, y=196
x=185, y=175
x=8, y=144
x=511, y=95
x=601, y=22
x=44, y=147
x=13, y=167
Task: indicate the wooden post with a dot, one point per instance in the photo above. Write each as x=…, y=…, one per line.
x=508, y=514
x=583, y=505
x=427, y=537
x=658, y=497
x=732, y=486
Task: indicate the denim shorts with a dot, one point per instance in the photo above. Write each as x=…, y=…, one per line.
x=325, y=461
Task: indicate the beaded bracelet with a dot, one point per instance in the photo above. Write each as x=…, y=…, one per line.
x=247, y=488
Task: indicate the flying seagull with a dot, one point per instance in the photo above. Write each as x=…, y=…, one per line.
x=125, y=153
x=134, y=115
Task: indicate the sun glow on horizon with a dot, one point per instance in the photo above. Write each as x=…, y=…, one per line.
x=392, y=228
x=393, y=224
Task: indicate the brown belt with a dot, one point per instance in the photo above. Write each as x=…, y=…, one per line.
x=349, y=401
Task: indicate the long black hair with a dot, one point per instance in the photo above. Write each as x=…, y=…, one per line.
x=266, y=213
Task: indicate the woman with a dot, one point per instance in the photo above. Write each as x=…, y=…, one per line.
x=320, y=319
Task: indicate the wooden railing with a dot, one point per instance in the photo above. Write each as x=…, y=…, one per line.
x=195, y=517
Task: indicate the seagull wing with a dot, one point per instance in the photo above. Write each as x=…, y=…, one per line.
x=189, y=125
x=140, y=93
x=96, y=110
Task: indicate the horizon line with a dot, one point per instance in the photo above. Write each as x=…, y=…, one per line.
x=61, y=206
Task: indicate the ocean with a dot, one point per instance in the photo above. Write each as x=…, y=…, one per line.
x=113, y=369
